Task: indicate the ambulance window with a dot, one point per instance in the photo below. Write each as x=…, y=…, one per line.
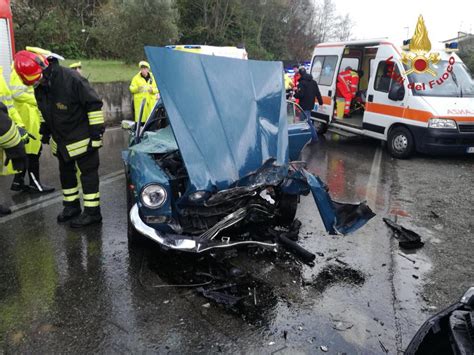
x=349, y=62
x=316, y=68
x=383, y=78
x=327, y=71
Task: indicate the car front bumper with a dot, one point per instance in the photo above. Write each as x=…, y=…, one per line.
x=193, y=244
x=442, y=141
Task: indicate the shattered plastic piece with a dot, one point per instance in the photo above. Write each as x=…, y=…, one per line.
x=219, y=295
x=407, y=239
x=324, y=348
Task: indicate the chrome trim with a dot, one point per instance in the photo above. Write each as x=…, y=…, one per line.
x=149, y=232
x=189, y=244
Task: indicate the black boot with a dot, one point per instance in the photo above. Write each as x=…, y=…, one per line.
x=68, y=213
x=35, y=183
x=35, y=188
x=88, y=217
x=4, y=211
x=18, y=183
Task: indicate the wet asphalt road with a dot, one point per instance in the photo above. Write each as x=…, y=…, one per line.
x=64, y=290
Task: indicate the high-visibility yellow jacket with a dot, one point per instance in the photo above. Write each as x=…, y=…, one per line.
x=6, y=98
x=10, y=142
x=25, y=103
x=140, y=88
x=288, y=82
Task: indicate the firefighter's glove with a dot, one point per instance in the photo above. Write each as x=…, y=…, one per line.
x=25, y=136
x=17, y=155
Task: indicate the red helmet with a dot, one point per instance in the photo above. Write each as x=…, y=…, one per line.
x=29, y=66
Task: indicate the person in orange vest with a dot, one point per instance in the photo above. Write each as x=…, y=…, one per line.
x=344, y=89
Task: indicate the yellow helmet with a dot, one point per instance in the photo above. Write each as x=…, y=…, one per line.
x=143, y=64
x=38, y=50
x=75, y=65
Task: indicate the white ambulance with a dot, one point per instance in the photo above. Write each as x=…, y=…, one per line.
x=413, y=100
x=7, y=44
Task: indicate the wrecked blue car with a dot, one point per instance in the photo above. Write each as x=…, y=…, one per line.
x=211, y=167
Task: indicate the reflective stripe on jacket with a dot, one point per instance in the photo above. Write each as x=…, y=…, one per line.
x=10, y=141
x=140, y=88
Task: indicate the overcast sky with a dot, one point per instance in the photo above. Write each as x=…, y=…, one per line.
x=378, y=18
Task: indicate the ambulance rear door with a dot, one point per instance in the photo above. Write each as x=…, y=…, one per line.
x=324, y=66
x=386, y=94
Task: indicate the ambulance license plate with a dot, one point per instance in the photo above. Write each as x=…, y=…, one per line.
x=470, y=150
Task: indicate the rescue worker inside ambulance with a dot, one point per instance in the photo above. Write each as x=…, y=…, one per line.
x=73, y=125
x=143, y=88
x=25, y=104
x=12, y=150
x=346, y=87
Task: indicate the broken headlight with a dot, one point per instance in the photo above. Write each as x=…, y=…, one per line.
x=442, y=123
x=153, y=196
x=197, y=196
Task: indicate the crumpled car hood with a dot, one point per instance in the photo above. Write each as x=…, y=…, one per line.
x=228, y=115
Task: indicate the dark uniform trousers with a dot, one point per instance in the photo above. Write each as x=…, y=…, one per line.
x=33, y=168
x=88, y=166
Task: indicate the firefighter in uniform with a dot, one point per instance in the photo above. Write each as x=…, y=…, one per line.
x=25, y=104
x=12, y=149
x=74, y=125
x=344, y=89
x=143, y=86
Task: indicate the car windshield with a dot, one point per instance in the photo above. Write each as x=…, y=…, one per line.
x=459, y=82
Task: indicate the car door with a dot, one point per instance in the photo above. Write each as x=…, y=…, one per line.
x=382, y=109
x=299, y=130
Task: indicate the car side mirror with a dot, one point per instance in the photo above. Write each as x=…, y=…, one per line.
x=397, y=92
x=128, y=125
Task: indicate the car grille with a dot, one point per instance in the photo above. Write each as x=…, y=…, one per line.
x=466, y=128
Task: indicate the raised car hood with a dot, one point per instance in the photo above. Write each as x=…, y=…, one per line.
x=228, y=115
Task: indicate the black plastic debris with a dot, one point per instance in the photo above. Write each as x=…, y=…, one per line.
x=407, y=239
x=221, y=294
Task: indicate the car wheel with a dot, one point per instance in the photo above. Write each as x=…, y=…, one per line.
x=134, y=238
x=401, y=143
x=320, y=127
x=288, y=207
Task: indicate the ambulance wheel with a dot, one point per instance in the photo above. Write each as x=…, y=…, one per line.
x=320, y=127
x=400, y=142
